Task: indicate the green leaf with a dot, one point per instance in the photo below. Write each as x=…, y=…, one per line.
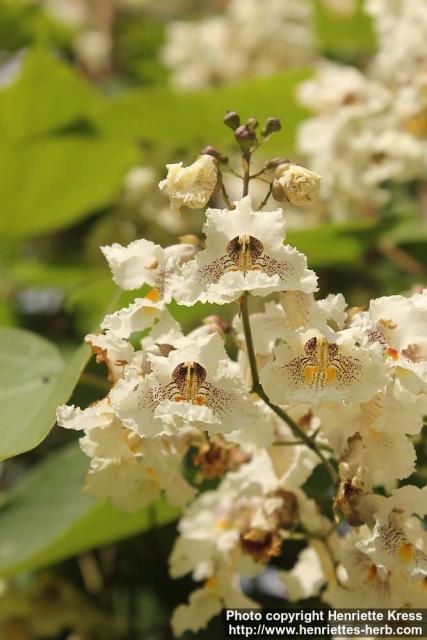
x=334, y=244
x=183, y=120
x=47, y=95
x=347, y=38
x=34, y=380
x=47, y=517
x=52, y=182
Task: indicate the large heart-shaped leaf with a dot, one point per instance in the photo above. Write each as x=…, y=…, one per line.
x=46, y=95
x=47, y=517
x=52, y=182
x=34, y=380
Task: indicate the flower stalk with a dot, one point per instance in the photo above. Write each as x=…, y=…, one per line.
x=258, y=389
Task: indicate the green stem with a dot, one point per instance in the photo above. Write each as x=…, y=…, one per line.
x=257, y=174
x=246, y=162
x=268, y=194
x=225, y=194
x=258, y=389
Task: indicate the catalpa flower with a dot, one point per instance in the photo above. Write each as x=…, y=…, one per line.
x=312, y=369
x=142, y=314
x=126, y=469
x=194, y=383
x=143, y=262
x=191, y=186
x=362, y=585
x=113, y=350
x=297, y=310
x=382, y=425
x=402, y=322
x=244, y=252
x=397, y=540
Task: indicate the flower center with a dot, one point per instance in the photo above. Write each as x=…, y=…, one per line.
x=244, y=251
x=188, y=378
x=320, y=366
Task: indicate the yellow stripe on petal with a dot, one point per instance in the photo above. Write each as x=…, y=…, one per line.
x=405, y=552
x=153, y=295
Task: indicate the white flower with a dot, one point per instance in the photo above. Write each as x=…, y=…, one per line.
x=369, y=128
x=193, y=384
x=251, y=37
x=143, y=262
x=342, y=7
x=138, y=184
x=218, y=592
x=244, y=252
x=396, y=542
x=312, y=368
x=299, y=185
x=297, y=310
x=135, y=481
x=403, y=323
x=306, y=578
x=127, y=470
x=93, y=49
x=386, y=453
x=112, y=350
x=191, y=186
x=142, y=314
x=362, y=585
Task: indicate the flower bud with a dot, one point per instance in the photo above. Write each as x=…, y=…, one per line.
x=252, y=123
x=212, y=151
x=217, y=323
x=300, y=186
x=277, y=191
x=189, y=239
x=191, y=186
x=274, y=162
x=232, y=120
x=245, y=136
x=272, y=125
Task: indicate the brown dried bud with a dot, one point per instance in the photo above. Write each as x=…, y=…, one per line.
x=232, y=120
x=272, y=125
x=287, y=514
x=347, y=502
x=260, y=544
x=216, y=457
x=165, y=349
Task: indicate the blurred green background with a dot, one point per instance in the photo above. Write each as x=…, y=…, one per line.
x=82, y=148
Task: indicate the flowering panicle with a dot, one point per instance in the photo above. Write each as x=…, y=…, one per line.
x=312, y=383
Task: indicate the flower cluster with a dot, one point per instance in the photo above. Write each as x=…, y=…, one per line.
x=313, y=382
x=369, y=128
x=251, y=37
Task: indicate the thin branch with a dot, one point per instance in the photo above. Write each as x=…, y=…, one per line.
x=258, y=173
x=246, y=162
x=404, y=260
x=267, y=196
x=233, y=172
x=225, y=194
x=258, y=389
